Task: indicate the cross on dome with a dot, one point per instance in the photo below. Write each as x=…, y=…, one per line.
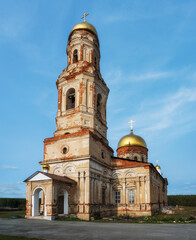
x=131, y=123
x=84, y=16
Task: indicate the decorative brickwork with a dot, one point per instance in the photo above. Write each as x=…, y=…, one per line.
x=132, y=152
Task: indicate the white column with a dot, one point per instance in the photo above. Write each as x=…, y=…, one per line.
x=124, y=191
x=33, y=207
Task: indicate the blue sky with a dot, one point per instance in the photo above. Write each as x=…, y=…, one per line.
x=147, y=60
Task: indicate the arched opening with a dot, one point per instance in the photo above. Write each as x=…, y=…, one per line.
x=63, y=205
x=70, y=99
x=99, y=104
x=75, y=56
x=135, y=158
x=103, y=196
x=38, y=203
x=95, y=62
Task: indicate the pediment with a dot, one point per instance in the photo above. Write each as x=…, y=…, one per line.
x=39, y=177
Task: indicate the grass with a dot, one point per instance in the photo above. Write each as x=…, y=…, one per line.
x=9, y=214
x=6, y=237
x=68, y=218
x=187, y=215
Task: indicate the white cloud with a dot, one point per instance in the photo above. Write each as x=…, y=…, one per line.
x=155, y=111
x=149, y=76
x=174, y=111
x=187, y=183
x=8, y=187
x=116, y=76
x=12, y=189
x=8, y=167
x=166, y=111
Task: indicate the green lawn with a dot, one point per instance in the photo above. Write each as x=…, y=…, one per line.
x=9, y=214
x=185, y=215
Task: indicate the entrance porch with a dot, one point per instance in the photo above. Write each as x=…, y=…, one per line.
x=49, y=195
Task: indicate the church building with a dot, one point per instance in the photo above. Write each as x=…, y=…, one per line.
x=80, y=174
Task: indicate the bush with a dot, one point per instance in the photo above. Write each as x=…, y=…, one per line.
x=97, y=215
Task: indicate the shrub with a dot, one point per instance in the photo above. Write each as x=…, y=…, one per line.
x=97, y=215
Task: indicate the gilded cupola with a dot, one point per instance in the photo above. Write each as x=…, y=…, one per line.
x=83, y=46
x=158, y=168
x=132, y=140
x=132, y=147
x=85, y=26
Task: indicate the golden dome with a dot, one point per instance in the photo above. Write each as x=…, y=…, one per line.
x=157, y=167
x=85, y=25
x=132, y=140
x=46, y=166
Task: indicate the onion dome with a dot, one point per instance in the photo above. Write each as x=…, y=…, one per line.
x=158, y=168
x=45, y=167
x=85, y=26
x=132, y=140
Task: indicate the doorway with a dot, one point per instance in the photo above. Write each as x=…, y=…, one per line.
x=63, y=204
x=38, y=203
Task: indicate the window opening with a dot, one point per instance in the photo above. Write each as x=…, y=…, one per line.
x=75, y=56
x=99, y=98
x=135, y=158
x=117, y=197
x=64, y=150
x=131, y=196
x=70, y=99
x=103, y=196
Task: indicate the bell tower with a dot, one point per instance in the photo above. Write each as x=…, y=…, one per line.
x=81, y=127
x=82, y=92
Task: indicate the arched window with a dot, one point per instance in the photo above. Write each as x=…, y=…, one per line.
x=99, y=98
x=75, y=56
x=135, y=158
x=70, y=99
